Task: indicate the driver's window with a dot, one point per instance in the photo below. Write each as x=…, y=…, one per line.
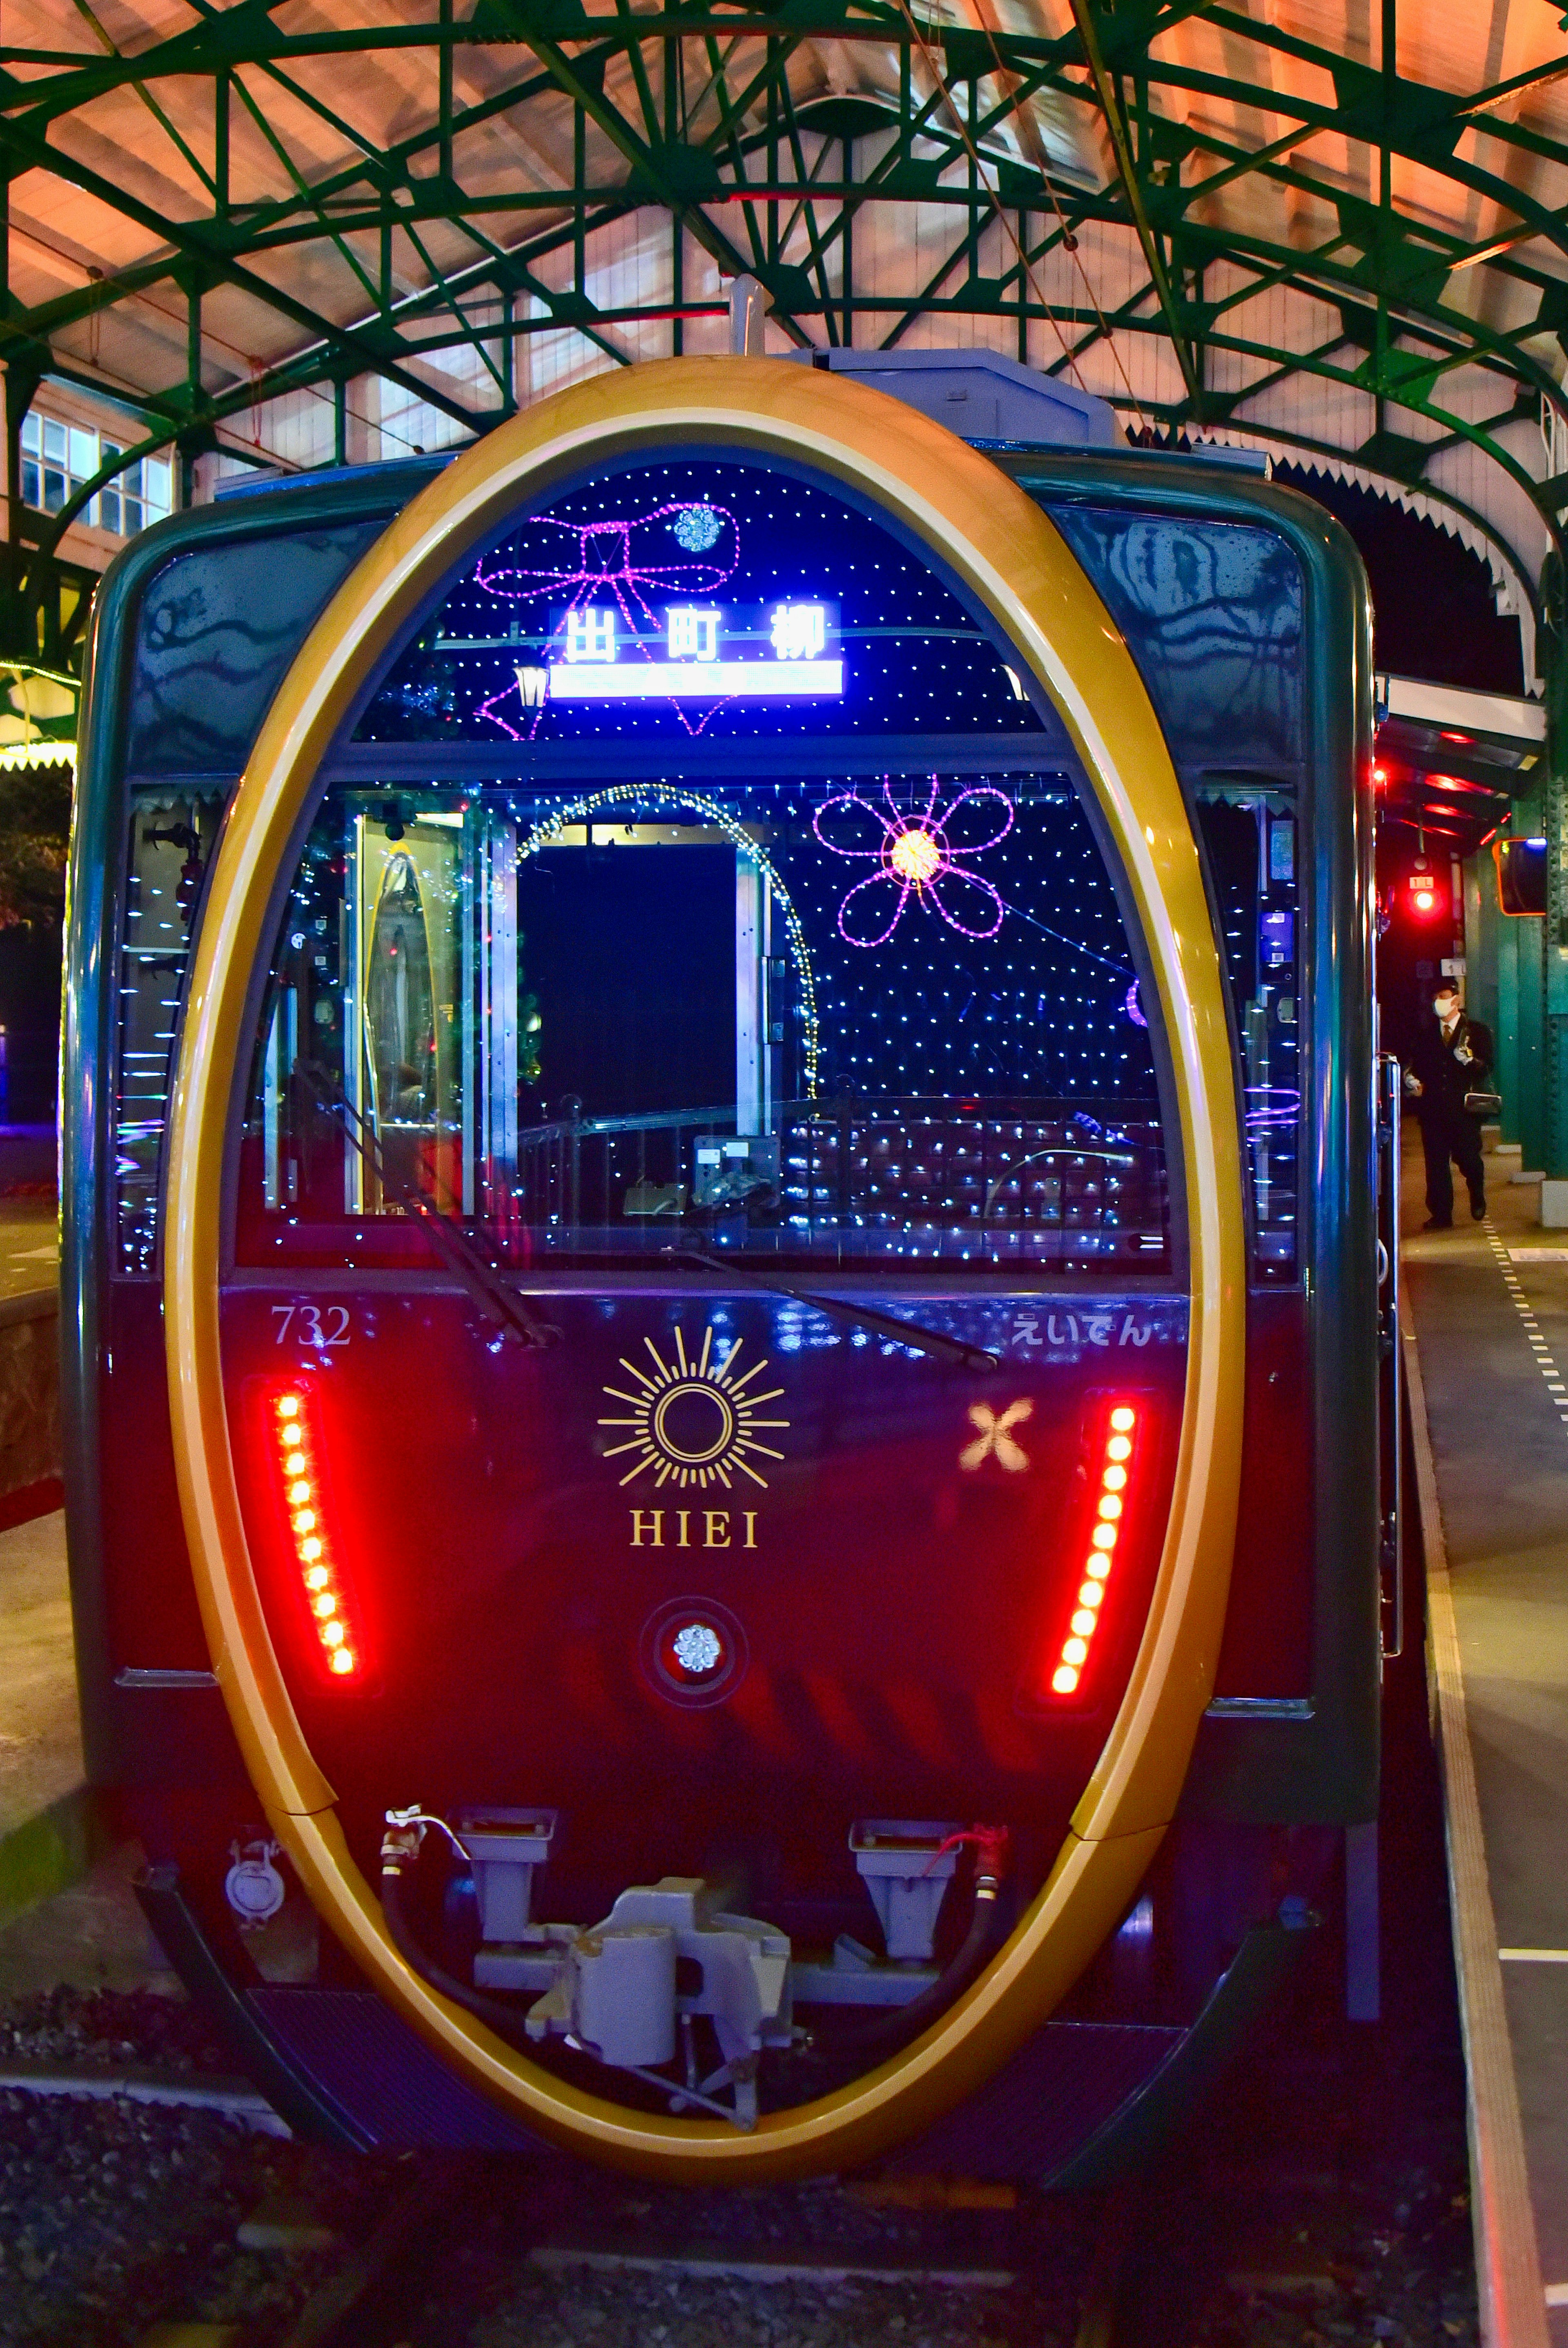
x=894, y=1022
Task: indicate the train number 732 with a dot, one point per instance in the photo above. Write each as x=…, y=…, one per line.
x=312, y=1324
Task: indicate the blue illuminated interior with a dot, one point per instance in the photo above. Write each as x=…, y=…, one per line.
x=1046, y=1007
x=758, y=542
x=829, y=966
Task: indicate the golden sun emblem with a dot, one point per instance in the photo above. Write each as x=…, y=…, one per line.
x=694, y=1422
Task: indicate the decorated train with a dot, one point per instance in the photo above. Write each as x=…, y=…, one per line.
x=723, y=1477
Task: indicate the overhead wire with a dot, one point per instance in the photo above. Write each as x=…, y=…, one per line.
x=1028, y=130
x=116, y=388
x=992, y=190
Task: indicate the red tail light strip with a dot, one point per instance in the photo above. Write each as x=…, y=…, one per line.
x=296, y=1459
x=1114, y=1462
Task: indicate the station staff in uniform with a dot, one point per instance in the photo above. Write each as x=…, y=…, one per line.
x=1452, y=1057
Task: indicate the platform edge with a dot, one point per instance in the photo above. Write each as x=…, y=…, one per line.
x=1508, y=2262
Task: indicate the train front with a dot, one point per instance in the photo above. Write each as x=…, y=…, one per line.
x=703, y=1270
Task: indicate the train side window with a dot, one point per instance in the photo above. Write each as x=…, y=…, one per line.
x=217, y=630
x=1214, y=613
x=1250, y=838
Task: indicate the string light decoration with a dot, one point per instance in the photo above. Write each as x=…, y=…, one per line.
x=625, y=560
x=1036, y=1010
x=993, y=1103
x=696, y=527
x=919, y=854
x=963, y=1049
x=672, y=797
x=1115, y=1463
x=296, y=1461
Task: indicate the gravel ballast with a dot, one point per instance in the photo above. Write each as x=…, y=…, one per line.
x=1321, y=2197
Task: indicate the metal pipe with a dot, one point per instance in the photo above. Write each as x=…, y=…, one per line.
x=748, y=311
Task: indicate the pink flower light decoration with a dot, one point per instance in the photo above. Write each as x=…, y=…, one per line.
x=922, y=853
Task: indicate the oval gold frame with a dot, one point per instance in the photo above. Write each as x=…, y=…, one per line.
x=1010, y=557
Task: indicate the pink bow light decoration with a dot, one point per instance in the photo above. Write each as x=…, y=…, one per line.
x=922, y=853
x=620, y=560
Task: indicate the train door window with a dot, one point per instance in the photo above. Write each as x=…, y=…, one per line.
x=172, y=834
x=369, y=1001
x=631, y=1019
x=404, y=1078
x=1250, y=836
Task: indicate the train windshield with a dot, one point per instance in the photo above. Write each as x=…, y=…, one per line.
x=893, y=1021
x=702, y=881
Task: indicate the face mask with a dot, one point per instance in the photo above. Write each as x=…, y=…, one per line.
x=1445, y=1007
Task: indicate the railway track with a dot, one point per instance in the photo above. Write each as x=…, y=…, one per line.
x=1322, y=2196
x=1225, y=2244
x=460, y=2258
x=805, y=2273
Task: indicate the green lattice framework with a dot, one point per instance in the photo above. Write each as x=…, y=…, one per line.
x=740, y=186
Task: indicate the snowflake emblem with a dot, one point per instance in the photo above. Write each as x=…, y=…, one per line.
x=696, y=527
x=696, y=1648
x=925, y=854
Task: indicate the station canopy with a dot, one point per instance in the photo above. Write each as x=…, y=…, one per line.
x=1334, y=230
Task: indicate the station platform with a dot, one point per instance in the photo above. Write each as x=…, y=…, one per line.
x=50, y=1839
x=1486, y=1351
x=68, y=1916
x=42, y=1841
x=29, y=1340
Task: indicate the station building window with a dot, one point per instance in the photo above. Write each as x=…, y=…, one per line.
x=59, y=458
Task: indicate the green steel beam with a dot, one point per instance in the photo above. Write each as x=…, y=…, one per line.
x=802, y=176
x=1132, y=185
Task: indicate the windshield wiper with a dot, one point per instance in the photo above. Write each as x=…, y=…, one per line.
x=505, y=1310
x=838, y=1308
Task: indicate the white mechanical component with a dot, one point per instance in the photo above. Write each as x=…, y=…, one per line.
x=253, y=1887
x=505, y=1847
x=623, y=1993
x=906, y=1865
x=745, y=1965
x=612, y=1990
x=615, y=1991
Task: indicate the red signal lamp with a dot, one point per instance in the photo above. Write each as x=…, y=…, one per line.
x=1424, y=895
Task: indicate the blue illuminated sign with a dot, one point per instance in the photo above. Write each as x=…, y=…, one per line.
x=696, y=652
x=697, y=599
